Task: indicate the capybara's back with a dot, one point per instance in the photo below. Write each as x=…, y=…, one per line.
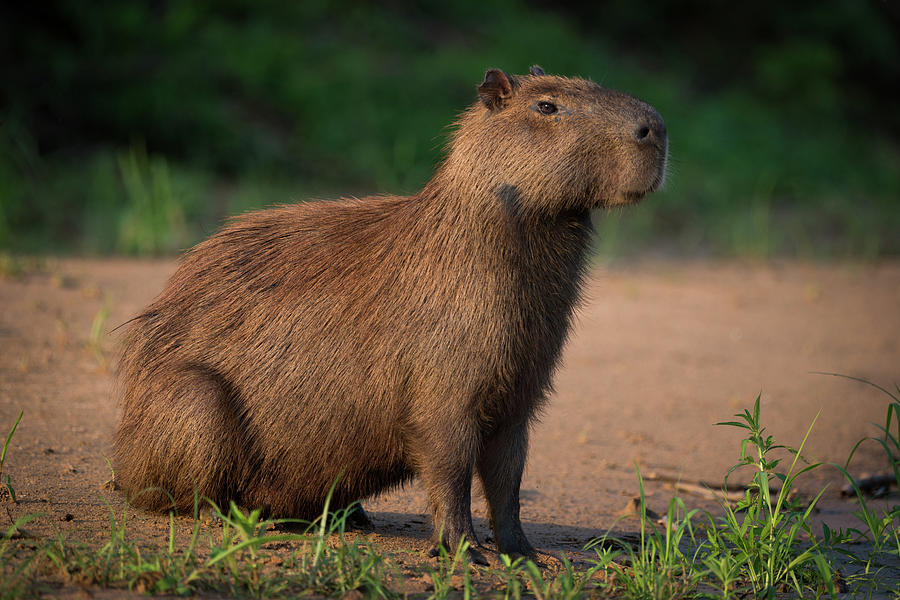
x=273, y=363
x=365, y=342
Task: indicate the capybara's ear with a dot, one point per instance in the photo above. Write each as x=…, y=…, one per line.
x=536, y=70
x=496, y=89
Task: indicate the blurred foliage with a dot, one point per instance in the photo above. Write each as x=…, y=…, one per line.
x=137, y=127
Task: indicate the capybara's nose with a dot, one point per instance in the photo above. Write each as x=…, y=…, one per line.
x=650, y=130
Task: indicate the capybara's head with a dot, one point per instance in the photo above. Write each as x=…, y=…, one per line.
x=547, y=144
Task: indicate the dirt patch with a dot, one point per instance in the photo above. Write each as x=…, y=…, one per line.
x=660, y=352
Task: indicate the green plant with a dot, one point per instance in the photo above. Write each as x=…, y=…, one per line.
x=878, y=527
x=15, y=575
x=236, y=562
x=659, y=566
x=803, y=97
x=763, y=546
x=568, y=583
x=154, y=219
x=509, y=577
x=11, y=266
x=605, y=564
x=238, y=554
x=95, y=340
x=340, y=568
x=725, y=568
x=102, y=567
x=7, y=485
x=441, y=578
x=343, y=566
x=762, y=534
x=890, y=440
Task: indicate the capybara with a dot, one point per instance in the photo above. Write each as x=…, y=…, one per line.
x=370, y=341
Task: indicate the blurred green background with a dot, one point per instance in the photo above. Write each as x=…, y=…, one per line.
x=138, y=127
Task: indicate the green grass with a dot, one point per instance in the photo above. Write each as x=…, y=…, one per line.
x=659, y=566
x=762, y=546
x=233, y=559
x=879, y=527
x=17, y=573
x=97, y=333
x=7, y=486
x=442, y=575
x=765, y=532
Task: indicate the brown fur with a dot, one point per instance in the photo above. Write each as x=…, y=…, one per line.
x=370, y=341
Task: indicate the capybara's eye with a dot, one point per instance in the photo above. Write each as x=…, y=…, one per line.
x=546, y=108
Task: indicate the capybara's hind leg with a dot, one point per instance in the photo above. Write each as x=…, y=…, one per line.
x=179, y=438
x=358, y=518
x=355, y=518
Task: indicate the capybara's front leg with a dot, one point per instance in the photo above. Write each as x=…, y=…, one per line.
x=446, y=466
x=500, y=467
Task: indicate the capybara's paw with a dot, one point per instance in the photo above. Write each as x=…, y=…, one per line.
x=530, y=554
x=210, y=516
x=516, y=545
x=475, y=557
x=357, y=518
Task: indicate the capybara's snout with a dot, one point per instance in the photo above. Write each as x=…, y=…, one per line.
x=650, y=129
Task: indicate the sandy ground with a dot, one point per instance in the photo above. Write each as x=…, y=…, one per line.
x=660, y=352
